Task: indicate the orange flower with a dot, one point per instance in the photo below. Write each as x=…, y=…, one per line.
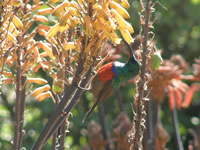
x=197, y=69
x=168, y=79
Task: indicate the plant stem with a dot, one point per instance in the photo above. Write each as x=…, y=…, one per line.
x=103, y=125
x=102, y=121
x=148, y=132
x=141, y=85
x=54, y=117
x=19, y=106
x=62, y=135
x=157, y=113
x=17, y=110
x=22, y=106
x=60, y=113
x=59, y=108
x=179, y=144
x=53, y=146
x=63, y=126
x=72, y=103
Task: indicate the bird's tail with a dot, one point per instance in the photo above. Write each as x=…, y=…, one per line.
x=89, y=112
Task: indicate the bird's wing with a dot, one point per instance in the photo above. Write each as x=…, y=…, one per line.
x=103, y=93
x=106, y=73
x=96, y=86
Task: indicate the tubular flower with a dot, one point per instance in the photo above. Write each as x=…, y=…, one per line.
x=197, y=69
x=168, y=79
x=19, y=48
x=95, y=18
x=195, y=86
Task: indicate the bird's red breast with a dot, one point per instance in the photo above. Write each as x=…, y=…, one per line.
x=105, y=72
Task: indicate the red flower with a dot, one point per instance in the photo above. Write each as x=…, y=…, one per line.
x=168, y=79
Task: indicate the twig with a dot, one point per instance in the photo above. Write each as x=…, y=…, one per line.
x=141, y=85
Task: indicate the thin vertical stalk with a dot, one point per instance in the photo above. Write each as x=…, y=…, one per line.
x=103, y=124
x=17, y=108
x=62, y=135
x=156, y=113
x=63, y=126
x=55, y=135
x=179, y=144
x=54, y=139
x=148, y=135
x=20, y=104
x=141, y=85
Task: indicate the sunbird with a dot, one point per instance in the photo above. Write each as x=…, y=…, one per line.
x=110, y=77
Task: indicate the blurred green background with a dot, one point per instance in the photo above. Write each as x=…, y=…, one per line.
x=177, y=31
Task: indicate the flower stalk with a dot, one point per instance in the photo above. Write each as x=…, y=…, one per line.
x=179, y=144
x=139, y=111
x=18, y=108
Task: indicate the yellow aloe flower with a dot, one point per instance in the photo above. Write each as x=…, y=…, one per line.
x=69, y=45
x=40, y=90
x=119, y=9
x=126, y=35
x=93, y=18
x=17, y=22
